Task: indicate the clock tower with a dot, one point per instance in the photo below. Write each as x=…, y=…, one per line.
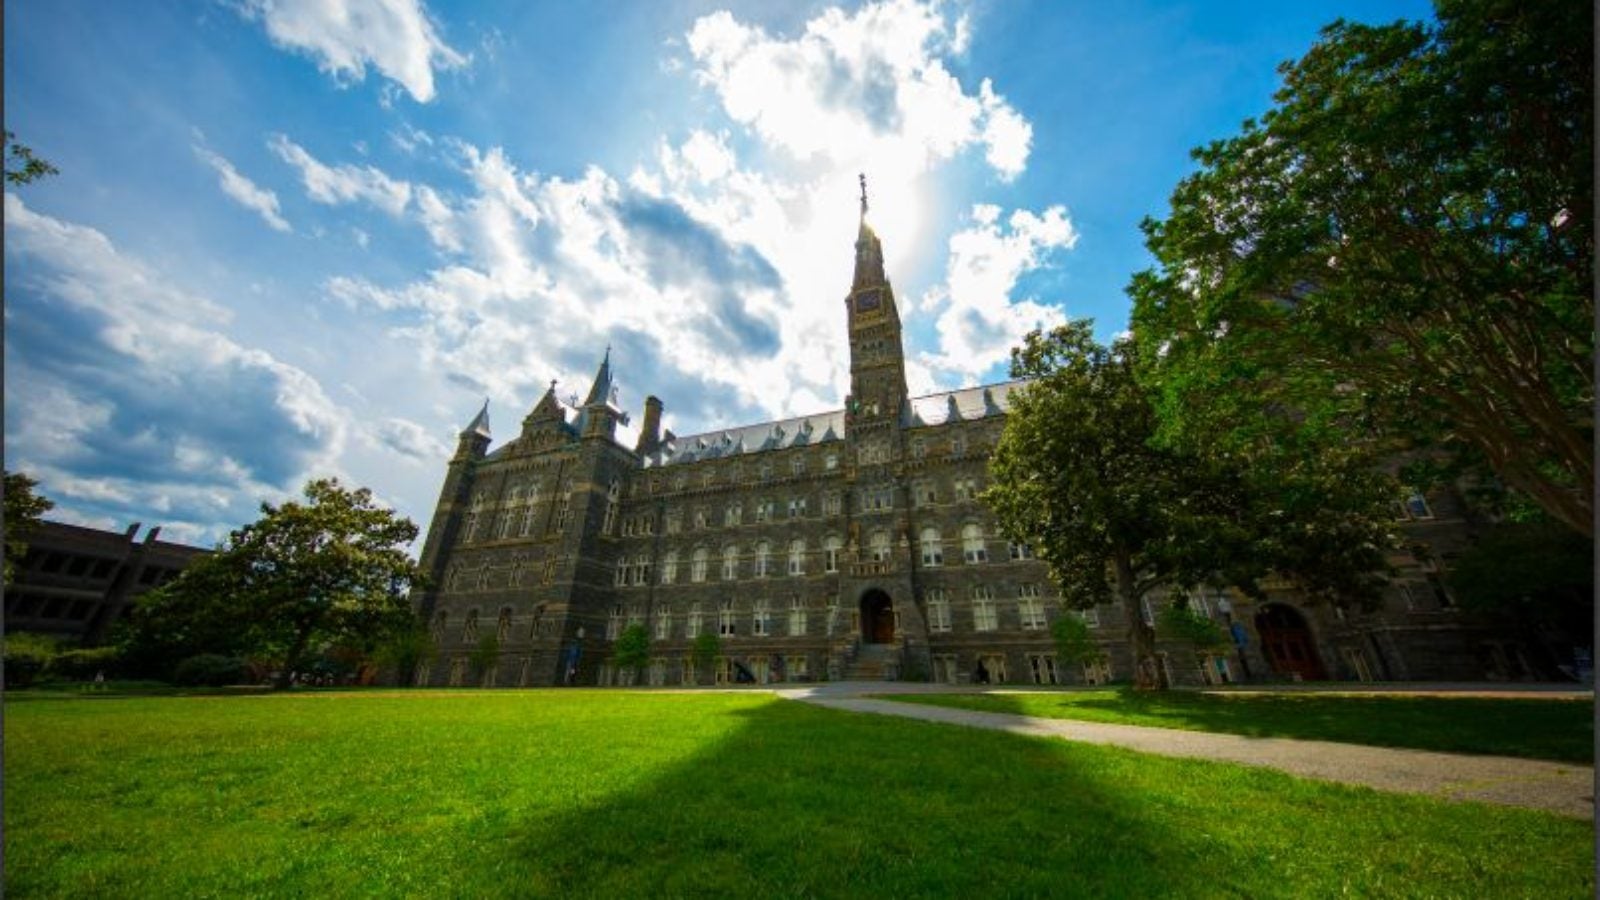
x=877, y=360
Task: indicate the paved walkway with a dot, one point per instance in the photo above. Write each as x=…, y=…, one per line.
x=1564, y=788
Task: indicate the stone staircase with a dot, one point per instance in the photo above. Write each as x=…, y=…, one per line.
x=874, y=662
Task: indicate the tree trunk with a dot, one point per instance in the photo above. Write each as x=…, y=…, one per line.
x=291, y=662
x=1141, y=637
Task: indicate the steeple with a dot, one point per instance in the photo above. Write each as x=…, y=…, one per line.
x=480, y=423
x=877, y=359
x=600, y=413
x=602, y=390
x=869, y=251
x=473, y=441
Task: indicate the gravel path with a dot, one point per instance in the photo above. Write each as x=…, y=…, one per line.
x=1564, y=788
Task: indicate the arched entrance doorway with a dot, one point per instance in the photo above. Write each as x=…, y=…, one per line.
x=1287, y=644
x=877, y=618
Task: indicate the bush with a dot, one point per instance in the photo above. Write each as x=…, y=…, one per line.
x=26, y=657
x=84, y=664
x=209, y=670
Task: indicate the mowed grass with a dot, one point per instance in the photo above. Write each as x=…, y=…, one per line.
x=1555, y=729
x=612, y=794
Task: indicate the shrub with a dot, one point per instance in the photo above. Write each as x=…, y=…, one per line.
x=1074, y=643
x=209, y=670
x=84, y=664
x=26, y=657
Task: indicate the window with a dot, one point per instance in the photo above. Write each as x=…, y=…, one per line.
x=1416, y=506
x=761, y=620
x=527, y=511
x=877, y=498
x=958, y=445
x=879, y=544
x=563, y=508
x=614, y=623
x=1097, y=671
x=763, y=559
x=797, y=557
x=508, y=520
x=708, y=478
x=944, y=668
x=764, y=511
x=973, y=550
x=797, y=667
x=622, y=572
x=730, y=562
x=699, y=519
x=995, y=663
x=664, y=625
x=797, y=620
x=932, y=547
x=919, y=448
x=1019, y=551
x=674, y=521
x=441, y=621
x=831, y=505
x=641, y=570
x=725, y=619
x=797, y=508
x=830, y=462
x=472, y=523
x=797, y=466
x=1090, y=616
x=925, y=494
x=983, y=612
x=966, y=488
x=733, y=515
x=1031, y=611
x=613, y=497
x=691, y=628
x=830, y=554
x=765, y=472
x=669, y=567
x=1042, y=666
x=697, y=567
x=938, y=611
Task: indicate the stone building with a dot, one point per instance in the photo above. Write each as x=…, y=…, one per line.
x=845, y=544
x=75, y=582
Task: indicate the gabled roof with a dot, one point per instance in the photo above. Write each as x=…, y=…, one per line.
x=963, y=405
x=802, y=431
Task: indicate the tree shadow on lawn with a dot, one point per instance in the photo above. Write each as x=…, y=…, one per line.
x=1561, y=730
x=804, y=801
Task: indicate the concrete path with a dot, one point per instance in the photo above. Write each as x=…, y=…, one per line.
x=1567, y=789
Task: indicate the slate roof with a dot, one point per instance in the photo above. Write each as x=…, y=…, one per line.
x=962, y=405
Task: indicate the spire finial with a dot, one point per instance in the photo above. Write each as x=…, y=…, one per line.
x=863, y=177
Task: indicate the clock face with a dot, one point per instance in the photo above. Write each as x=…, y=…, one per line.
x=867, y=301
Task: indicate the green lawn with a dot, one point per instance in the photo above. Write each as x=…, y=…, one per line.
x=1558, y=729
x=611, y=794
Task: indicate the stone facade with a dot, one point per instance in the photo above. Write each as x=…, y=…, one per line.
x=846, y=544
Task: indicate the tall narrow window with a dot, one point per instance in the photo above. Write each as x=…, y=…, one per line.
x=1029, y=609
x=1019, y=551
x=730, y=562
x=983, y=612
x=763, y=559
x=528, y=509
x=613, y=498
x=725, y=625
x=669, y=567
x=472, y=519
x=761, y=619
x=563, y=508
x=973, y=549
x=733, y=515
x=879, y=545
x=614, y=623
x=469, y=631
x=797, y=617
x=830, y=553
x=938, y=611
x=797, y=557
x=692, y=625
x=697, y=568
x=932, y=547
x=502, y=631
x=664, y=625
x=622, y=572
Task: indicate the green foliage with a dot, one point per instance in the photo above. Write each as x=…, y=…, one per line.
x=404, y=650
x=1401, y=249
x=707, y=647
x=1180, y=623
x=565, y=794
x=24, y=508
x=22, y=166
x=85, y=663
x=485, y=656
x=330, y=571
x=1540, y=572
x=209, y=670
x=632, y=650
x=27, y=655
x=1075, y=645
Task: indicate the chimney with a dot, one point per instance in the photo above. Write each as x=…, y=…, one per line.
x=650, y=432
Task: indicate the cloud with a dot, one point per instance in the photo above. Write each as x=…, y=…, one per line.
x=411, y=440
x=397, y=37
x=977, y=318
x=870, y=88
x=244, y=191
x=124, y=396
x=334, y=185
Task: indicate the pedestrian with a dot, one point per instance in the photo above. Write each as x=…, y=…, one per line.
x=100, y=680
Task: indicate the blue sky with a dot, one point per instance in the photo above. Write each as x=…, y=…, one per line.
x=295, y=238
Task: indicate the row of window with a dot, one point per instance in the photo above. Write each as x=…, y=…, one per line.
x=635, y=570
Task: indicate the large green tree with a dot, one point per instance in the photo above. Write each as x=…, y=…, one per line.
x=1079, y=475
x=1404, y=241
x=24, y=509
x=330, y=570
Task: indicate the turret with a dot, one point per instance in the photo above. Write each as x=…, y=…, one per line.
x=600, y=413
x=650, y=433
x=473, y=442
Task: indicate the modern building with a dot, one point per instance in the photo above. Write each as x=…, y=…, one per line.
x=845, y=544
x=75, y=582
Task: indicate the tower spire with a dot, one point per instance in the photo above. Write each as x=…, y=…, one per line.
x=863, y=177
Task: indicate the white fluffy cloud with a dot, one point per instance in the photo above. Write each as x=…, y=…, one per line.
x=343, y=184
x=978, y=318
x=244, y=191
x=397, y=37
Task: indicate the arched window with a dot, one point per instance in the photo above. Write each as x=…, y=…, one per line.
x=563, y=507
x=533, y=626
x=692, y=626
x=733, y=515
x=730, y=562
x=763, y=559
x=472, y=519
x=527, y=509
x=697, y=568
x=830, y=553
x=664, y=624
x=797, y=557
x=669, y=567
x=932, y=547
x=761, y=619
x=613, y=497
x=797, y=617
x=879, y=545
x=973, y=549
x=502, y=631
x=725, y=619
x=983, y=612
x=441, y=620
x=469, y=632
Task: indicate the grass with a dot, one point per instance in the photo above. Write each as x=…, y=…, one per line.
x=589, y=793
x=1556, y=729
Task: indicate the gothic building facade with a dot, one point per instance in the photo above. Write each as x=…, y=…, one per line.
x=846, y=544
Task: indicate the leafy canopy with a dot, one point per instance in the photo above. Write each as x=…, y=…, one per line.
x=632, y=649
x=24, y=509
x=1404, y=242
